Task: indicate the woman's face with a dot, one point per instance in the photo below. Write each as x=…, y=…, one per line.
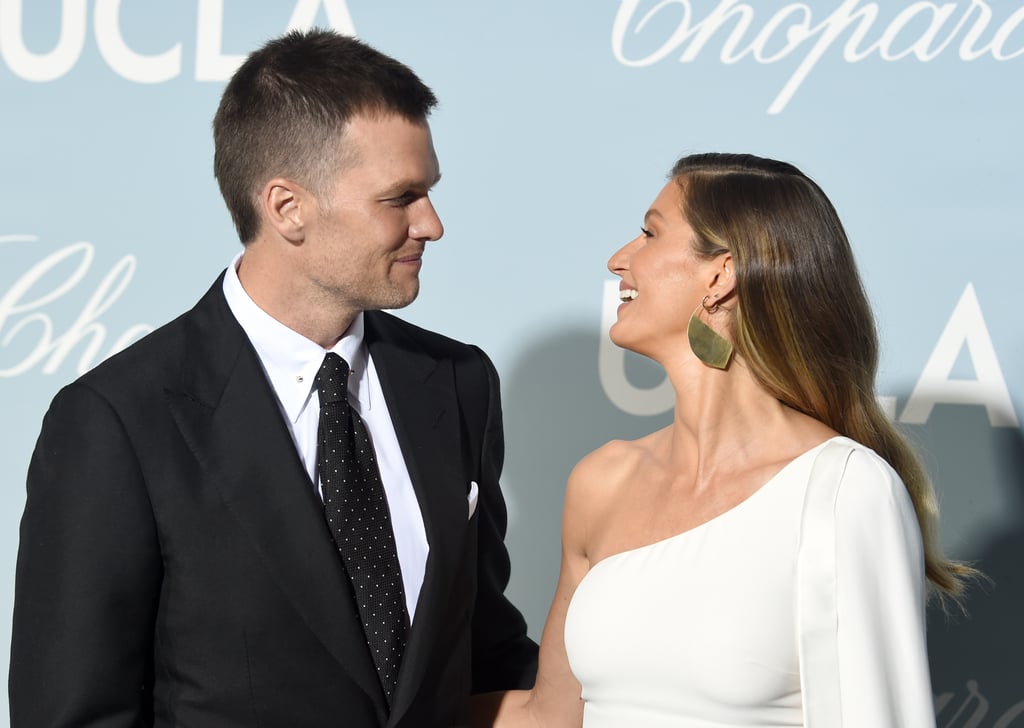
x=663, y=279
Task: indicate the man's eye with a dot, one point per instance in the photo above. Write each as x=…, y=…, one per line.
x=403, y=200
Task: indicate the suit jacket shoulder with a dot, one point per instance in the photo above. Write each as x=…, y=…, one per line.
x=199, y=346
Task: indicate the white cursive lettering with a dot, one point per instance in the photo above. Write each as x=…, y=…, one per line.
x=974, y=709
x=23, y=311
x=922, y=30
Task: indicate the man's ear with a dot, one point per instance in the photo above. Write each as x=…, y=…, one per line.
x=287, y=207
x=723, y=277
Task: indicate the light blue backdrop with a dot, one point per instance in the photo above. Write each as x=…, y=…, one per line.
x=558, y=123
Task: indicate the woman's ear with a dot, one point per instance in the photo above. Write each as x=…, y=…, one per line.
x=723, y=277
x=285, y=206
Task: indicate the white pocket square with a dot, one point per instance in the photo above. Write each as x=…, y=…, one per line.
x=474, y=494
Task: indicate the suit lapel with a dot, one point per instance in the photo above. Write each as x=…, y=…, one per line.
x=420, y=393
x=229, y=415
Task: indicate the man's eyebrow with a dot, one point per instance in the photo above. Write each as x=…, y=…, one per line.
x=403, y=186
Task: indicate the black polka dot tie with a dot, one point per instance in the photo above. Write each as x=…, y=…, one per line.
x=357, y=513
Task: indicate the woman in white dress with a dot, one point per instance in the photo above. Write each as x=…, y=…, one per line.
x=763, y=560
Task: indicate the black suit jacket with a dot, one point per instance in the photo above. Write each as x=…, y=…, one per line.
x=175, y=568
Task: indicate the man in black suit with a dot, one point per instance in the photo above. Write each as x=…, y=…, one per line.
x=176, y=567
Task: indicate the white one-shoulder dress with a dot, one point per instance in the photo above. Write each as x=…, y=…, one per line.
x=801, y=606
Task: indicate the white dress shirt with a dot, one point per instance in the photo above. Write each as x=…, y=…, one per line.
x=291, y=362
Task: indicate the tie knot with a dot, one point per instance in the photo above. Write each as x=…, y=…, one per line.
x=332, y=379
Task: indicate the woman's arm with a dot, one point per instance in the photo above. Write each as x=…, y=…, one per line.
x=554, y=700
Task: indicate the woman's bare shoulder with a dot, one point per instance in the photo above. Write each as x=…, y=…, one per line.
x=600, y=477
x=604, y=467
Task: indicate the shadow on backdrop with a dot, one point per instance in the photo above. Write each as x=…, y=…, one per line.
x=976, y=661
x=555, y=413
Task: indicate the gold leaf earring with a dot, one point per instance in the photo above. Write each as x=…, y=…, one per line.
x=707, y=344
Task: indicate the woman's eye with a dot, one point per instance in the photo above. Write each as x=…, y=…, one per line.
x=646, y=233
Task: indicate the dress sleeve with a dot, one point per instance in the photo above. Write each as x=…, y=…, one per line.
x=871, y=663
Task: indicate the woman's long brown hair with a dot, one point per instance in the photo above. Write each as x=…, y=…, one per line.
x=803, y=323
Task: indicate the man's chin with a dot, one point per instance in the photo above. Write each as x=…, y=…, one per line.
x=400, y=299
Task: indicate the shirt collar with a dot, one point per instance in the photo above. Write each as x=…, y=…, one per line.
x=289, y=359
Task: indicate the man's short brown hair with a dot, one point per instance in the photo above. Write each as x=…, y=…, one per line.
x=283, y=112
